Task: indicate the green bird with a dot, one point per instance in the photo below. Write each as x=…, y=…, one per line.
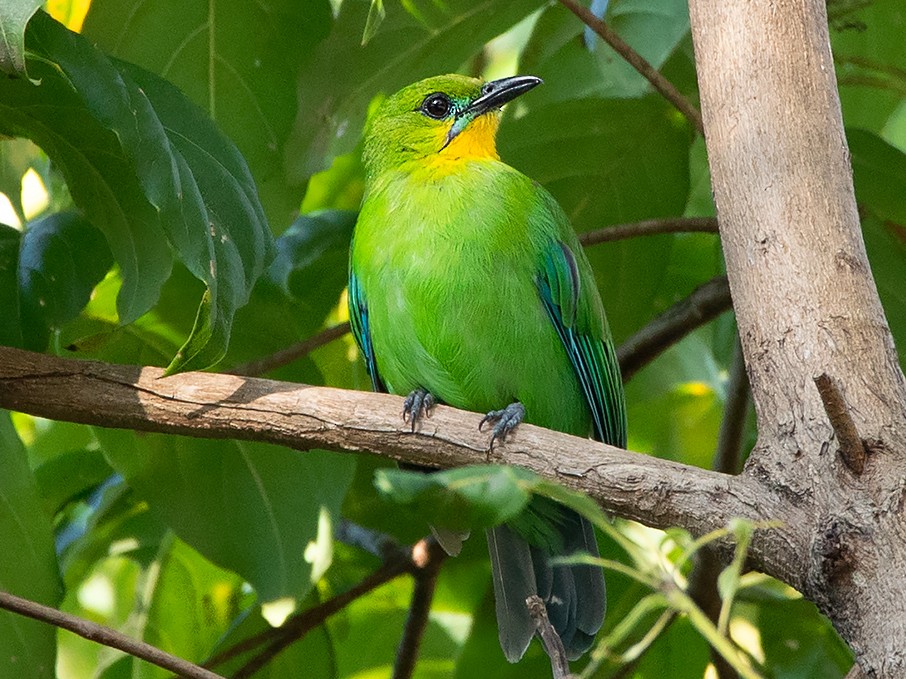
x=468, y=287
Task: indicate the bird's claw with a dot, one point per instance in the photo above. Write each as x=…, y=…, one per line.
x=505, y=421
x=418, y=404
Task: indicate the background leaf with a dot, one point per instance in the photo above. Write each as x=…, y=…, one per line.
x=27, y=647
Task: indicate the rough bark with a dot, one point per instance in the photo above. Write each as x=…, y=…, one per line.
x=806, y=305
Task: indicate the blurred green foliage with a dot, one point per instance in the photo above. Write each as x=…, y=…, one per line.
x=145, y=219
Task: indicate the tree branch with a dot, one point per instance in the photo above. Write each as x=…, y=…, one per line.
x=657, y=492
x=104, y=635
x=852, y=448
x=704, y=304
x=649, y=227
x=638, y=62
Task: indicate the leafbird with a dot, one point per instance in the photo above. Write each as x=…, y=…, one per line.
x=468, y=286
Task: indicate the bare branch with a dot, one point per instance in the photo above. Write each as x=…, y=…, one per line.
x=104, y=635
x=704, y=304
x=638, y=62
x=289, y=354
x=419, y=610
x=649, y=227
x=657, y=492
x=852, y=448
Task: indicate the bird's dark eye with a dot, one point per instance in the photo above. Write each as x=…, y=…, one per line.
x=437, y=106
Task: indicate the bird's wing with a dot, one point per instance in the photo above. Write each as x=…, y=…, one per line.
x=358, y=321
x=568, y=295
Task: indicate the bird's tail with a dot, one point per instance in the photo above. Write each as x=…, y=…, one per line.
x=574, y=595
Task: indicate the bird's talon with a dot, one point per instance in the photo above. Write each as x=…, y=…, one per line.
x=506, y=421
x=418, y=404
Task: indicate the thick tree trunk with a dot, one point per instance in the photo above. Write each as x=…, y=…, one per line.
x=806, y=305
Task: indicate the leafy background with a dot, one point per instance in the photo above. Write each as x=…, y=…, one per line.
x=144, y=225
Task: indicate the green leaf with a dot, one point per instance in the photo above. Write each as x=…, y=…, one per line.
x=416, y=40
x=27, y=647
x=459, y=499
x=259, y=510
x=14, y=16
x=312, y=256
x=69, y=477
x=869, y=59
x=61, y=259
x=376, y=15
x=191, y=604
x=245, y=80
x=56, y=117
x=879, y=174
x=11, y=319
x=571, y=70
x=149, y=169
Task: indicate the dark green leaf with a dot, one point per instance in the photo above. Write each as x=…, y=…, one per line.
x=162, y=165
x=459, y=499
x=61, y=259
x=29, y=570
x=14, y=15
x=11, y=334
x=315, y=245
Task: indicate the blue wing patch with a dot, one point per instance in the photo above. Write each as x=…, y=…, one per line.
x=593, y=358
x=358, y=321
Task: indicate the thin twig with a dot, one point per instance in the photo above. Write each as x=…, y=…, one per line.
x=705, y=303
x=289, y=354
x=852, y=448
x=553, y=644
x=638, y=62
x=649, y=227
x=419, y=610
x=104, y=635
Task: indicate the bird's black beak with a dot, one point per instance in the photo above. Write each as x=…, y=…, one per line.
x=498, y=92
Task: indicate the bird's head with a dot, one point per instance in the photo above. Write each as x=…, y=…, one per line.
x=444, y=119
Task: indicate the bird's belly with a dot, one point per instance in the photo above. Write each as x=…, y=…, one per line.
x=478, y=338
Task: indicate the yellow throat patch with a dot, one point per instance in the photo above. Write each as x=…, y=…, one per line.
x=475, y=142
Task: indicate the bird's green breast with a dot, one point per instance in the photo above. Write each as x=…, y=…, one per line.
x=448, y=264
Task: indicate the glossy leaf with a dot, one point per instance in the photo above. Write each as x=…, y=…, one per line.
x=27, y=647
x=61, y=259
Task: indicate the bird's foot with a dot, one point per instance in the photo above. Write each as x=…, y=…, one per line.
x=418, y=404
x=504, y=421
